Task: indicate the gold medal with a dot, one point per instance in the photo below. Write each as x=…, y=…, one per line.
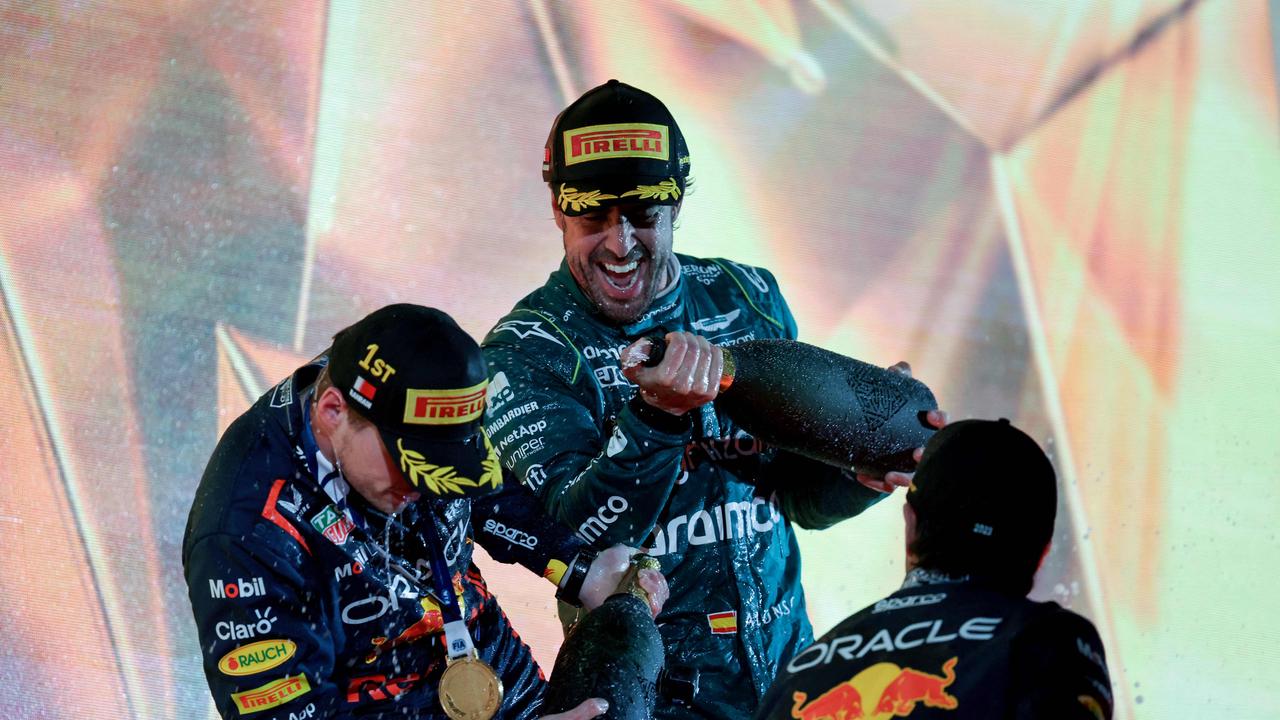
x=470, y=689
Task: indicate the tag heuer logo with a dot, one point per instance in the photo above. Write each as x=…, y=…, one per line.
x=333, y=525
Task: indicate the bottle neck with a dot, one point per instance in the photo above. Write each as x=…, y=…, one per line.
x=729, y=370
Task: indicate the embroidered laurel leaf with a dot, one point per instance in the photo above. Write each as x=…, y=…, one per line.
x=575, y=199
x=439, y=479
x=662, y=191
x=492, y=467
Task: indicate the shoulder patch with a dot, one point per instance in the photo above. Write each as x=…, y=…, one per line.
x=270, y=513
x=524, y=329
x=753, y=276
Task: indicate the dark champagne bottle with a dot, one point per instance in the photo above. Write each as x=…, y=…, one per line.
x=821, y=404
x=615, y=653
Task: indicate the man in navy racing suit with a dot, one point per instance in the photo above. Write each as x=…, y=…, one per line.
x=660, y=466
x=960, y=639
x=328, y=550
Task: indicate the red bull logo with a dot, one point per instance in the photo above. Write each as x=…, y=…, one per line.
x=842, y=702
x=380, y=687
x=898, y=691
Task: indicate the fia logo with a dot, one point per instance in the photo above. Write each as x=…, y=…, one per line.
x=525, y=329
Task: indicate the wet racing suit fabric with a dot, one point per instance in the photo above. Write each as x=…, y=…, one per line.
x=309, y=603
x=952, y=650
x=711, y=502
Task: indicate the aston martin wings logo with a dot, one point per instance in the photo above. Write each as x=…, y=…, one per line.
x=526, y=328
x=712, y=324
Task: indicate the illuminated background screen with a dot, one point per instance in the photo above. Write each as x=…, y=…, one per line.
x=1063, y=212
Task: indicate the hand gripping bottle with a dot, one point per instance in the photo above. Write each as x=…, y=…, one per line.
x=818, y=403
x=614, y=653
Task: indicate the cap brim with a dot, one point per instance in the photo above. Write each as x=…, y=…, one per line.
x=578, y=197
x=446, y=469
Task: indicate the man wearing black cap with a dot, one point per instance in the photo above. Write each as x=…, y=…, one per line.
x=328, y=550
x=640, y=456
x=960, y=639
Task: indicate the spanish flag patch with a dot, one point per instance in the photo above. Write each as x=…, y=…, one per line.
x=723, y=623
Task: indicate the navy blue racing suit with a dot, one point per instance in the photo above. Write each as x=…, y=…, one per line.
x=309, y=603
x=952, y=649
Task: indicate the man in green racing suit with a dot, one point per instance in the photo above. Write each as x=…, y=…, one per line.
x=660, y=467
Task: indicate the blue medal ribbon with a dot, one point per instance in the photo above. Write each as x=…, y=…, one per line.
x=457, y=636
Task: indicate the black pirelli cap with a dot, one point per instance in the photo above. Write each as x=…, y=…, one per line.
x=421, y=380
x=986, y=485
x=615, y=144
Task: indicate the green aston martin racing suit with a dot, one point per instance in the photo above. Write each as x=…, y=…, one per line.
x=712, y=503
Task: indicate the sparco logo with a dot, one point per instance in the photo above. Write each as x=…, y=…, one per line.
x=238, y=588
x=892, y=603
x=594, y=527
x=518, y=537
x=245, y=631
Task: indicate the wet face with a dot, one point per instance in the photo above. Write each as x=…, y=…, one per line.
x=620, y=256
x=356, y=448
x=369, y=469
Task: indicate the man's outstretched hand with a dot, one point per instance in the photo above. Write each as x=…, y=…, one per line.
x=606, y=572
x=894, y=479
x=688, y=376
